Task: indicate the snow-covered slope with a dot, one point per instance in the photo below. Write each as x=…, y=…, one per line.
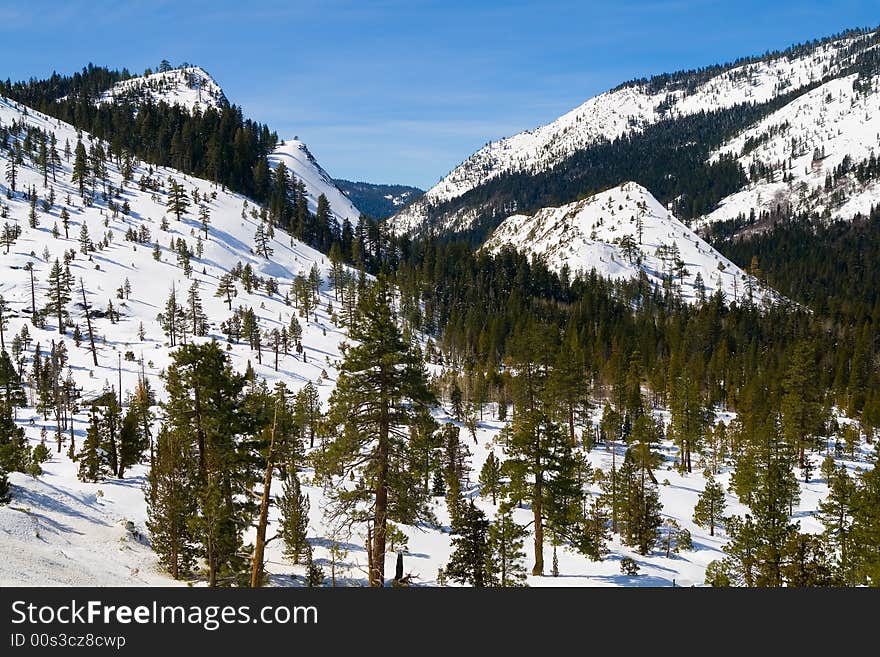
x=602, y=232
x=191, y=87
x=60, y=531
x=799, y=145
x=621, y=111
x=57, y=529
x=305, y=167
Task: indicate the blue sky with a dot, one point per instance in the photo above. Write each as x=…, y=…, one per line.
x=390, y=91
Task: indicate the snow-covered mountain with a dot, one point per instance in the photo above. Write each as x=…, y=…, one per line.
x=305, y=167
x=826, y=131
x=59, y=530
x=191, y=87
x=627, y=109
x=621, y=233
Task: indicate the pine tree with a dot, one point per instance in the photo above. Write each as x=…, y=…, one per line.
x=640, y=501
x=542, y=471
x=490, y=477
x=806, y=562
x=205, y=218
x=15, y=451
x=279, y=203
x=195, y=314
x=294, y=509
x=709, y=509
x=454, y=464
x=337, y=270
x=261, y=242
x=93, y=464
x=172, y=484
x=314, y=573
x=85, y=242
x=4, y=323
x=438, y=484
x=206, y=409
x=836, y=512
x=108, y=413
x=43, y=161
x=10, y=234
x=32, y=213
x=178, y=201
x=59, y=293
x=382, y=383
x=471, y=558
x=506, y=547
x=309, y=402
x=866, y=526
x=226, y=288
x=274, y=339
x=132, y=440
x=567, y=380
x=688, y=416
x=610, y=429
x=741, y=564
x=455, y=401
x=771, y=504
x=801, y=406
x=54, y=158
x=295, y=331
x=169, y=318
x=11, y=172
x=11, y=389
x=80, y=168
x=86, y=308
x=324, y=224
x=98, y=166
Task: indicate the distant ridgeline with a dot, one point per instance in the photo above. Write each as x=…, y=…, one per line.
x=670, y=152
x=831, y=267
x=378, y=201
x=216, y=143
x=219, y=144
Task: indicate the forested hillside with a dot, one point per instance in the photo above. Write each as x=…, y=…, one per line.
x=215, y=371
x=379, y=201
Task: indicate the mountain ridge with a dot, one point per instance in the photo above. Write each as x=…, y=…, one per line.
x=188, y=86
x=378, y=200
x=625, y=233
x=627, y=111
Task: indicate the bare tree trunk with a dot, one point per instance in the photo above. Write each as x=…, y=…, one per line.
x=260, y=544
x=33, y=297
x=369, y=550
x=119, y=370
x=377, y=570
x=89, y=322
x=539, y=526
x=613, y=486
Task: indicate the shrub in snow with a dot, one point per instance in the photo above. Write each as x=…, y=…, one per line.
x=629, y=567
